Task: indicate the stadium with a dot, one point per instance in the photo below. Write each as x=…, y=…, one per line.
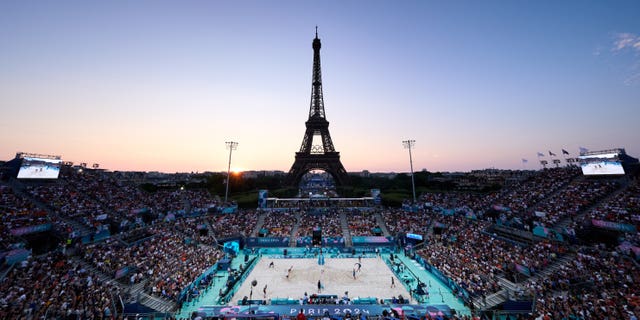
x=318, y=242
x=555, y=243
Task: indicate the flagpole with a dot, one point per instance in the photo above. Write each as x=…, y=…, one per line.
x=540, y=154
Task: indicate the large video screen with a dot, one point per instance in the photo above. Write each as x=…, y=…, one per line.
x=38, y=168
x=601, y=164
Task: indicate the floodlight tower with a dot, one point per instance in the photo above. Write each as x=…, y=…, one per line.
x=231, y=145
x=408, y=144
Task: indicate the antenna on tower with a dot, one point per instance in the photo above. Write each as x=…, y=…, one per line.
x=316, y=32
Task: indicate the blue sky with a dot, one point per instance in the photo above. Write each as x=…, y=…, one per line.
x=161, y=85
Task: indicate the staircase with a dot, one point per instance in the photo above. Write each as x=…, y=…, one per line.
x=5, y=270
x=508, y=287
x=157, y=303
x=103, y=277
x=136, y=294
x=381, y=224
x=429, y=231
x=294, y=230
x=344, y=223
x=491, y=301
x=213, y=235
x=259, y=224
x=553, y=267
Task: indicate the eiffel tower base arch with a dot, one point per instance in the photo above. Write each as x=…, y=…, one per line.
x=328, y=162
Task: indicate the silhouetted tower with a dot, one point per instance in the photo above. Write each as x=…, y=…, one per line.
x=317, y=151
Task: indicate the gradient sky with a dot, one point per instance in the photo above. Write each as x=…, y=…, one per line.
x=161, y=85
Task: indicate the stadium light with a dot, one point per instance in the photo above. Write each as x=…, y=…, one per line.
x=408, y=144
x=231, y=145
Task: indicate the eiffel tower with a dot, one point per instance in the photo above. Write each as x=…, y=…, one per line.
x=317, y=151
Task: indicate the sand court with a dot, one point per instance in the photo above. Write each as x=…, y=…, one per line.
x=335, y=276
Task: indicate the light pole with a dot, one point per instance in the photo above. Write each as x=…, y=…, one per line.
x=408, y=144
x=231, y=145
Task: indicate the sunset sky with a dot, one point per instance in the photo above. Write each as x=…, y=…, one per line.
x=161, y=85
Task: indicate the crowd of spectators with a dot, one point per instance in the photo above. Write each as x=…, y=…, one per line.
x=522, y=195
x=571, y=200
x=227, y=225
x=279, y=223
x=623, y=208
x=168, y=256
x=169, y=260
x=330, y=221
x=196, y=228
x=68, y=202
x=54, y=286
x=473, y=259
x=90, y=197
x=596, y=285
x=398, y=220
x=17, y=212
x=455, y=200
x=361, y=223
x=419, y=221
x=172, y=275
x=456, y=253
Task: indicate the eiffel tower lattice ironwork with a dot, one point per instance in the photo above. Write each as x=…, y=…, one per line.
x=317, y=151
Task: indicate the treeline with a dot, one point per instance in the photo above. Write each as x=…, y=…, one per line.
x=393, y=190
x=244, y=190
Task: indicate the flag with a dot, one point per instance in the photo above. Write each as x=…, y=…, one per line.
x=583, y=150
x=540, y=154
x=565, y=151
x=551, y=153
x=524, y=160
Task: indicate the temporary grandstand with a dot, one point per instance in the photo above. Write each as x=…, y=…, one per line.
x=553, y=242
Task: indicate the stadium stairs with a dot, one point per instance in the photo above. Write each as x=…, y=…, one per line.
x=553, y=267
x=429, y=228
x=508, y=285
x=345, y=230
x=118, y=237
x=157, y=303
x=381, y=224
x=509, y=289
x=259, y=224
x=6, y=268
x=294, y=230
x=213, y=234
x=135, y=292
x=103, y=277
x=491, y=301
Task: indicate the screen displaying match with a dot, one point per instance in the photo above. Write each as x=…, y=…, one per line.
x=601, y=164
x=39, y=168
